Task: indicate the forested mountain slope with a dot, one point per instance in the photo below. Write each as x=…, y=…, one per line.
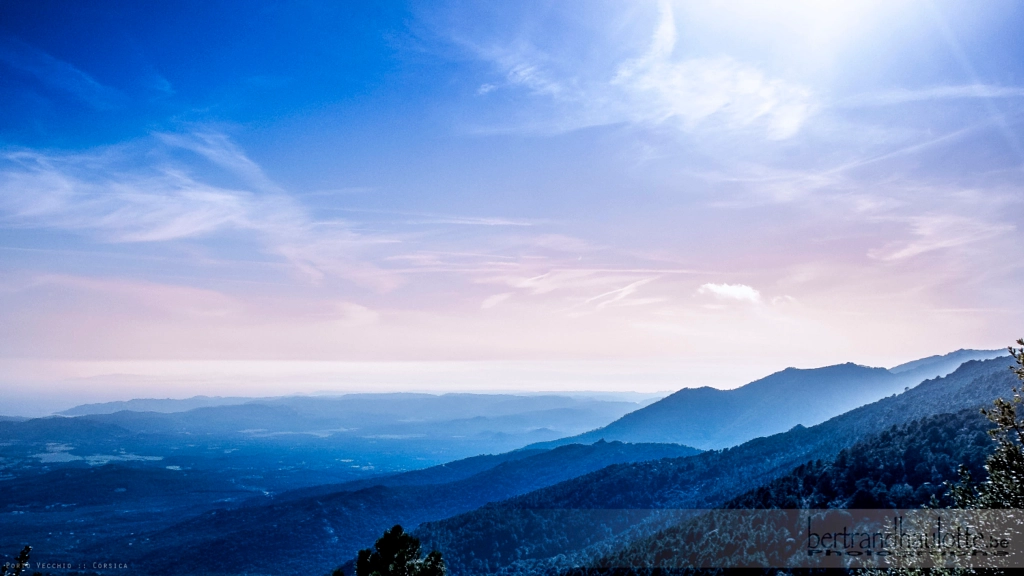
x=904, y=467
x=316, y=533
x=507, y=536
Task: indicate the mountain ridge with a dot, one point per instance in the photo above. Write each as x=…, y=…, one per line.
x=710, y=418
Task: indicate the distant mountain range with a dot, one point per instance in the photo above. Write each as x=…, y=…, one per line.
x=387, y=431
x=357, y=403
x=709, y=418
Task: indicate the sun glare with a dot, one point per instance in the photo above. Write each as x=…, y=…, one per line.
x=811, y=29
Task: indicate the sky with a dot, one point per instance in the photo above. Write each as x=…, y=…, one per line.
x=246, y=197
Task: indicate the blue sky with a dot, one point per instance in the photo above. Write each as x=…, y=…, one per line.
x=357, y=184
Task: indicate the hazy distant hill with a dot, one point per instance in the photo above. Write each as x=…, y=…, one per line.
x=384, y=416
x=940, y=365
x=14, y=432
x=154, y=405
x=519, y=536
x=380, y=432
x=709, y=418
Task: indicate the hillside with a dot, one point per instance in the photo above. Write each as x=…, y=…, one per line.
x=903, y=467
x=315, y=533
x=479, y=541
x=709, y=418
x=440, y=474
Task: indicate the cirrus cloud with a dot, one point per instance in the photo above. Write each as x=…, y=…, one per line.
x=656, y=88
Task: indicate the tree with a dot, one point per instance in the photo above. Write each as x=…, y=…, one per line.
x=398, y=554
x=19, y=565
x=1005, y=485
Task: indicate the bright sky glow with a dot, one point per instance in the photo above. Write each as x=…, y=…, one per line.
x=520, y=192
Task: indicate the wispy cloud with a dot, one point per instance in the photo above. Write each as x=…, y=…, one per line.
x=657, y=88
x=580, y=291
x=522, y=68
x=905, y=96
x=550, y=281
x=118, y=195
x=146, y=191
x=932, y=232
x=431, y=218
x=718, y=91
x=469, y=221
x=221, y=151
x=91, y=193
x=494, y=300
x=58, y=74
x=619, y=295
x=700, y=90
x=50, y=191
